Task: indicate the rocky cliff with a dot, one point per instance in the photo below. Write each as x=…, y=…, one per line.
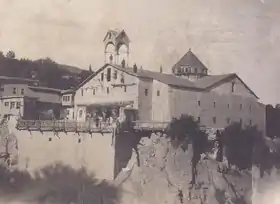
x=163, y=177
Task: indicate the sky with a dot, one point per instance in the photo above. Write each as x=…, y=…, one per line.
x=240, y=36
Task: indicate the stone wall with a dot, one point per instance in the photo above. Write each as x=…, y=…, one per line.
x=94, y=152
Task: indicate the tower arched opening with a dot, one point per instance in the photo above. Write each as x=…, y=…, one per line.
x=122, y=53
x=110, y=53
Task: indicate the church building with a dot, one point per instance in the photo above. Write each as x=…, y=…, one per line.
x=132, y=93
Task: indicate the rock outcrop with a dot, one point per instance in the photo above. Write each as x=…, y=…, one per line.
x=164, y=174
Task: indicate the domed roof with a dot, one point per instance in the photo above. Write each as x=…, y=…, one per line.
x=189, y=64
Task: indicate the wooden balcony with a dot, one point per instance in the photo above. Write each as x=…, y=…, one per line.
x=104, y=127
x=63, y=126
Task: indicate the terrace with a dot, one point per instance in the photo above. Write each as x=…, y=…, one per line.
x=102, y=127
x=64, y=126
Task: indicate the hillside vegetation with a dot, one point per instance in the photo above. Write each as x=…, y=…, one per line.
x=48, y=72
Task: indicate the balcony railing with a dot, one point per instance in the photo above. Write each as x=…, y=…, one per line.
x=150, y=125
x=105, y=127
x=64, y=126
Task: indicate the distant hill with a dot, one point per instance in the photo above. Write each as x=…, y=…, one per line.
x=48, y=72
x=72, y=69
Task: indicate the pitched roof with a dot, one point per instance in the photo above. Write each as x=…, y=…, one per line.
x=18, y=79
x=115, y=33
x=190, y=60
x=90, y=77
x=210, y=80
x=42, y=88
x=202, y=84
x=68, y=91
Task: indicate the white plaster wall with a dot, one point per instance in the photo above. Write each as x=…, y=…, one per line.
x=226, y=106
x=239, y=89
x=13, y=111
x=86, y=96
x=145, y=105
x=160, y=110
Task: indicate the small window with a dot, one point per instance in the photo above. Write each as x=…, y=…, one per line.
x=214, y=104
x=250, y=108
x=228, y=105
x=232, y=86
x=6, y=104
x=214, y=120
x=102, y=76
x=12, y=105
x=195, y=70
x=124, y=88
x=82, y=92
x=108, y=91
x=198, y=103
x=115, y=74
x=240, y=106
x=158, y=93
x=146, y=92
x=228, y=121
x=67, y=112
x=18, y=105
x=122, y=79
x=109, y=74
x=81, y=113
x=68, y=98
x=22, y=91
x=93, y=91
x=14, y=90
x=198, y=119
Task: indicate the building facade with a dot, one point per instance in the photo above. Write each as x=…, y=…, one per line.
x=27, y=100
x=117, y=89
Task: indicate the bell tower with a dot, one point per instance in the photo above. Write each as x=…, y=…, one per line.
x=116, y=47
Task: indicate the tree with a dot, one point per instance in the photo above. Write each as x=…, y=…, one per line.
x=184, y=131
x=57, y=183
x=1, y=55
x=239, y=144
x=11, y=55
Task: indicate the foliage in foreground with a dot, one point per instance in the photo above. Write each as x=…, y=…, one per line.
x=185, y=130
x=57, y=183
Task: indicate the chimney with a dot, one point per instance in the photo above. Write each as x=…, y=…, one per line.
x=135, y=68
x=160, y=69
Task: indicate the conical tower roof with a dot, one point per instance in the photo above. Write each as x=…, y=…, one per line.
x=190, y=60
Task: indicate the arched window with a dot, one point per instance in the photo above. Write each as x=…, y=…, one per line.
x=111, y=59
